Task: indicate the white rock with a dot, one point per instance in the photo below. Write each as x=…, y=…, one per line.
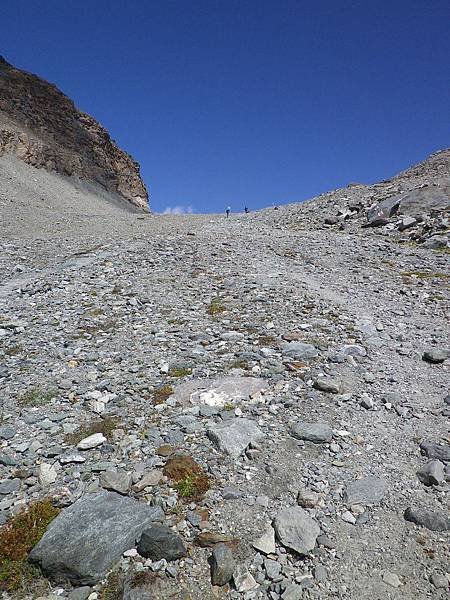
x=47, y=474
x=91, y=441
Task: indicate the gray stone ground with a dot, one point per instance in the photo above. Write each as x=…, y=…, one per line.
x=95, y=316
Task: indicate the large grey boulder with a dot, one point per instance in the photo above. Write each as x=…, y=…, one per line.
x=86, y=539
x=222, y=565
x=232, y=437
x=295, y=529
x=379, y=214
x=219, y=391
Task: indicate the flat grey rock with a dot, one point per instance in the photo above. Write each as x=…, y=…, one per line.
x=89, y=537
x=232, y=437
x=366, y=491
x=319, y=433
x=300, y=351
x=222, y=565
x=219, y=391
x=296, y=530
x=433, y=473
x=435, y=450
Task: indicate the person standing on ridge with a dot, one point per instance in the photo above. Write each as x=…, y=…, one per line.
x=228, y=211
x=246, y=210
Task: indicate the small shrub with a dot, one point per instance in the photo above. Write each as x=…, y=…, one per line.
x=112, y=589
x=191, y=482
x=17, y=538
x=37, y=397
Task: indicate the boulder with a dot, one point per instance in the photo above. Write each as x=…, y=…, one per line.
x=159, y=541
x=86, y=539
x=319, y=433
x=232, y=437
x=296, y=530
x=366, y=491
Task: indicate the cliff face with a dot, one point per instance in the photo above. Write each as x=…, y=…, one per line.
x=42, y=126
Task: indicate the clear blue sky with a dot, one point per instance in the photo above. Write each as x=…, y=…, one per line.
x=247, y=101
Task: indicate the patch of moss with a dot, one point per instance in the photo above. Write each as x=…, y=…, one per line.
x=190, y=480
x=425, y=275
x=267, y=340
x=179, y=372
x=105, y=426
x=161, y=394
x=13, y=350
x=216, y=307
x=239, y=364
x=37, y=397
x=17, y=538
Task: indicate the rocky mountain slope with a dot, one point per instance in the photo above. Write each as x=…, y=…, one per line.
x=202, y=408
x=42, y=126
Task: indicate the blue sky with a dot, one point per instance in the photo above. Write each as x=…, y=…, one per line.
x=240, y=102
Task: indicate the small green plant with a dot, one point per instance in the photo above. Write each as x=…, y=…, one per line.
x=105, y=426
x=179, y=372
x=193, y=486
x=161, y=394
x=228, y=406
x=216, y=307
x=17, y=538
x=37, y=397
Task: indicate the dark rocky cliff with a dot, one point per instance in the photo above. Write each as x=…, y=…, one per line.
x=42, y=126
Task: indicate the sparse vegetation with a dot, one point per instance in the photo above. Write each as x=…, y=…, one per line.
x=17, y=538
x=105, y=426
x=161, y=394
x=37, y=397
x=179, y=372
x=425, y=275
x=112, y=589
x=216, y=307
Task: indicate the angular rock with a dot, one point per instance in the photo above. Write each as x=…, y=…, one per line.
x=366, y=491
x=300, y=351
x=243, y=579
x=159, y=541
x=219, y=391
x=432, y=473
x=9, y=486
x=232, y=437
x=92, y=441
x=436, y=451
x=266, y=542
x=47, y=474
x=116, y=481
x=222, y=565
x=435, y=356
x=328, y=384
x=83, y=555
x=431, y=519
x=319, y=433
x=295, y=529
x=7, y=432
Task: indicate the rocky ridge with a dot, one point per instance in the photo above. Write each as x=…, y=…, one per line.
x=243, y=408
x=41, y=126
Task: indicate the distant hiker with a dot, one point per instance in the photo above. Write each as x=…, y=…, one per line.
x=228, y=211
x=246, y=210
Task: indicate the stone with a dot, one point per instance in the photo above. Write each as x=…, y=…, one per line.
x=47, y=474
x=436, y=451
x=347, y=517
x=272, y=567
x=430, y=519
x=319, y=433
x=328, y=384
x=300, y=351
x=243, y=580
x=391, y=579
x=159, y=541
x=92, y=441
x=296, y=530
x=439, y=580
x=307, y=498
x=7, y=432
x=219, y=391
x=232, y=437
x=266, y=542
x=9, y=486
x=83, y=555
x=222, y=565
x=379, y=214
x=433, y=473
x=148, y=480
x=406, y=223
x=366, y=491
x=435, y=356
x=293, y=591
x=116, y=481
x=81, y=593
